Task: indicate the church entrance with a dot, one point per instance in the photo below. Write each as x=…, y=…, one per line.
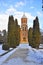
x=24, y=39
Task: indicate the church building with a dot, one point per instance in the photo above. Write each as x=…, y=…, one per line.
x=24, y=30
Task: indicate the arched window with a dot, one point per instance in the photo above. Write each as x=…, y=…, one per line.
x=25, y=28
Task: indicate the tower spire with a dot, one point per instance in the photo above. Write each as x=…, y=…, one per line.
x=24, y=15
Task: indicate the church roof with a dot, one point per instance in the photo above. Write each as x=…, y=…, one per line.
x=24, y=16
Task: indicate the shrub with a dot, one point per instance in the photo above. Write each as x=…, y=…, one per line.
x=5, y=47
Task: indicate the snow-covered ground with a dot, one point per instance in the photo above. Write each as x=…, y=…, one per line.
x=23, y=55
x=2, y=51
x=3, y=58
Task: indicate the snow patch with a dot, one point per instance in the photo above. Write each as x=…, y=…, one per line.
x=3, y=58
x=35, y=56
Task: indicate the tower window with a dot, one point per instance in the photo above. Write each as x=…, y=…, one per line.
x=25, y=28
x=24, y=21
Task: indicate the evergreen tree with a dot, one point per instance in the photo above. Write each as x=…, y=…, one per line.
x=17, y=32
x=11, y=31
x=36, y=33
x=30, y=36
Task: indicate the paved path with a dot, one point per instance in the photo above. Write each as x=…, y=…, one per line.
x=21, y=53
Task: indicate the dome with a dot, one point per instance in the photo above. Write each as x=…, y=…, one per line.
x=24, y=16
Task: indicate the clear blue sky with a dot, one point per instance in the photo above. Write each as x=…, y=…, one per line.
x=16, y=8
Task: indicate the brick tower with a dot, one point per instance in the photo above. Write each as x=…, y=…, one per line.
x=24, y=30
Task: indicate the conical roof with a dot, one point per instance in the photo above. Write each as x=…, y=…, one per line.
x=24, y=16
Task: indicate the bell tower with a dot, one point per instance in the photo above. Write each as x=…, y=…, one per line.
x=24, y=30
